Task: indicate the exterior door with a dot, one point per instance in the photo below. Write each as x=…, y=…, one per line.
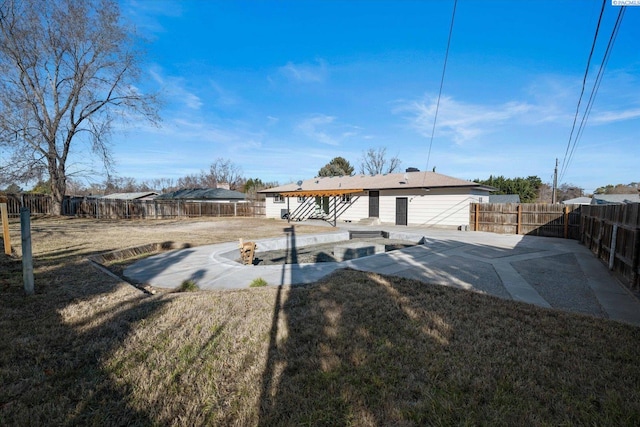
x=401, y=210
x=374, y=204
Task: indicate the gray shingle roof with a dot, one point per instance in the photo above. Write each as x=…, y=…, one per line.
x=379, y=182
x=203, y=194
x=603, y=199
x=130, y=196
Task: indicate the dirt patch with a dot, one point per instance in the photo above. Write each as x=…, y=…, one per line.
x=320, y=253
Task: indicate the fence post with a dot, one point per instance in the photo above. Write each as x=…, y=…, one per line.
x=635, y=258
x=4, y=212
x=477, y=217
x=566, y=222
x=614, y=241
x=27, y=258
x=519, y=219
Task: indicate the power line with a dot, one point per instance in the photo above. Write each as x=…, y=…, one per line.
x=584, y=83
x=444, y=68
x=596, y=86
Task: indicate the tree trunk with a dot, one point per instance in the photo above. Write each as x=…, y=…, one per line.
x=58, y=184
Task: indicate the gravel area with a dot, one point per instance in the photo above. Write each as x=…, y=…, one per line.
x=573, y=294
x=320, y=253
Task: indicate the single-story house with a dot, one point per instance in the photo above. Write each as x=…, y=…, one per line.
x=204, y=194
x=142, y=195
x=504, y=198
x=608, y=199
x=410, y=198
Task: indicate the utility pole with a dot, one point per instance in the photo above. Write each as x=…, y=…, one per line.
x=555, y=183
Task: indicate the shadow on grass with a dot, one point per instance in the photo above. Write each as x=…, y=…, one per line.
x=359, y=348
x=52, y=365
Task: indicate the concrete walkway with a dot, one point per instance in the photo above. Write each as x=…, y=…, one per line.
x=548, y=272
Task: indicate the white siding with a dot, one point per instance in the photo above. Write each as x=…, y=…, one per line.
x=272, y=209
x=447, y=208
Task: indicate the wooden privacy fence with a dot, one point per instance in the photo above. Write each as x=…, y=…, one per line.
x=158, y=209
x=612, y=233
x=538, y=219
x=38, y=204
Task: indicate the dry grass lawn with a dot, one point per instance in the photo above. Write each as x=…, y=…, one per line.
x=354, y=349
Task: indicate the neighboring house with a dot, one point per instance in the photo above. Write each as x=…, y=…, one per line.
x=143, y=195
x=204, y=194
x=504, y=198
x=577, y=201
x=411, y=198
x=608, y=199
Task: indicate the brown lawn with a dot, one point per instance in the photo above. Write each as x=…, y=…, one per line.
x=354, y=349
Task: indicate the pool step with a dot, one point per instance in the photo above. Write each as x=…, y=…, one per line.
x=367, y=234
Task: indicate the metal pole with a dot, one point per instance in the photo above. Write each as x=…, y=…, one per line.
x=555, y=184
x=5, y=228
x=27, y=259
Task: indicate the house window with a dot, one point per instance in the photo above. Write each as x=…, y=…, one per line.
x=301, y=199
x=277, y=198
x=345, y=198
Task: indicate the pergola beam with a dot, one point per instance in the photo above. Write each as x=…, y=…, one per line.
x=320, y=193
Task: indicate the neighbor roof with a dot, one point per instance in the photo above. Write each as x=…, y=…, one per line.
x=603, y=199
x=130, y=196
x=389, y=181
x=203, y=194
x=578, y=201
x=504, y=198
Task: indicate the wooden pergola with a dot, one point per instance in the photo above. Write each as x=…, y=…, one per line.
x=333, y=194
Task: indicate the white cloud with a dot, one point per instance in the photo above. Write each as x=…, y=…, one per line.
x=147, y=14
x=224, y=96
x=313, y=128
x=325, y=129
x=462, y=121
x=606, y=117
x=305, y=73
x=174, y=91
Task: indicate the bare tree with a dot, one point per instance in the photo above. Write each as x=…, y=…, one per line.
x=67, y=71
x=225, y=171
x=374, y=161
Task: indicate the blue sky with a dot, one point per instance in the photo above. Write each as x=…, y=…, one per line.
x=282, y=87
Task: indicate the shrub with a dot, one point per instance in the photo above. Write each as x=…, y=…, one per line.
x=258, y=283
x=188, y=286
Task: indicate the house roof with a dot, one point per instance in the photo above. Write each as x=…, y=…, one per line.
x=504, y=198
x=357, y=183
x=203, y=194
x=577, y=201
x=604, y=199
x=130, y=196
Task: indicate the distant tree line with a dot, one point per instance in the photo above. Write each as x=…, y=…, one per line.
x=221, y=173
x=631, y=188
x=532, y=190
x=527, y=188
